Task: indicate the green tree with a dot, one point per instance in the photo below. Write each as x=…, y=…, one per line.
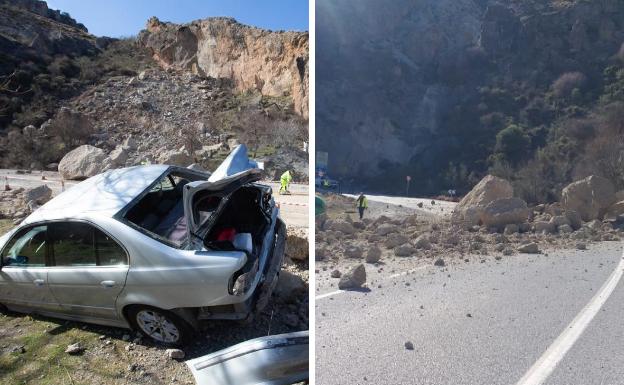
x=512, y=143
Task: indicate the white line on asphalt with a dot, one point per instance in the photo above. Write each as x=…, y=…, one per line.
x=321, y=296
x=540, y=371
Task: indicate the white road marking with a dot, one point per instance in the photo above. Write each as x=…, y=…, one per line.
x=329, y=294
x=546, y=364
x=321, y=296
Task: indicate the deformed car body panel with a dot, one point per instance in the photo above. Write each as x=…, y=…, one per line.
x=273, y=360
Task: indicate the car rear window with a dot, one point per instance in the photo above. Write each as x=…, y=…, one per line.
x=81, y=244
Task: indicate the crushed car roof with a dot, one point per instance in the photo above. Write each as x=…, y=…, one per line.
x=106, y=193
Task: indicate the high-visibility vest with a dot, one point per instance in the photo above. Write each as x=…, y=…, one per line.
x=362, y=202
x=285, y=178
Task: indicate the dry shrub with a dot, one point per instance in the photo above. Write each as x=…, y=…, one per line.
x=567, y=83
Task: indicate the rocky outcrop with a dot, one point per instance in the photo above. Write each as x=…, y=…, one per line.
x=83, y=162
x=590, y=197
x=39, y=7
x=272, y=63
x=28, y=26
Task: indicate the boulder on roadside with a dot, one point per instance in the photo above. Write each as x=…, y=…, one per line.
x=353, y=251
x=469, y=210
x=339, y=225
x=39, y=195
x=336, y=273
x=395, y=239
x=574, y=218
x=423, y=242
x=505, y=211
x=83, y=162
x=543, y=227
x=373, y=255
x=353, y=279
x=405, y=250
x=590, y=197
x=386, y=229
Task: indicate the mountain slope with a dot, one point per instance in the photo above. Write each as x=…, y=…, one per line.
x=428, y=94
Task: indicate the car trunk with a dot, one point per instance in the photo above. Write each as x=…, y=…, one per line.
x=191, y=212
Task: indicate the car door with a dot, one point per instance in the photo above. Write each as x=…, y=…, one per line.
x=23, y=275
x=89, y=270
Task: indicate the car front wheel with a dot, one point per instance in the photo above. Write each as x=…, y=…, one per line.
x=160, y=325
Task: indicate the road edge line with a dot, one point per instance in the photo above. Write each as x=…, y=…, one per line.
x=546, y=364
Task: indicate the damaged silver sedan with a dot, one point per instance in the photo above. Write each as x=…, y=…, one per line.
x=155, y=248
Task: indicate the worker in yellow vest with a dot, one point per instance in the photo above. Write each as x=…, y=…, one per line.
x=362, y=204
x=285, y=182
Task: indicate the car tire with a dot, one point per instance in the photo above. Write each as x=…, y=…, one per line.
x=162, y=326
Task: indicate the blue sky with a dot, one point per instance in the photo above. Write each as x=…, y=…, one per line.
x=117, y=18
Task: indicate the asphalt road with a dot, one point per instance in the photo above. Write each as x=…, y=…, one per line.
x=439, y=208
x=479, y=323
x=294, y=207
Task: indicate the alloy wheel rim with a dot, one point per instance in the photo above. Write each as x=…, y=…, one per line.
x=157, y=326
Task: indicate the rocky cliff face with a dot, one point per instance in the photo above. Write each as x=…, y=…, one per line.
x=272, y=63
x=409, y=88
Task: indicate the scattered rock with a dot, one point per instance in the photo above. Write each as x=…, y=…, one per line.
x=336, y=274
x=581, y=246
x=439, y=262
x=175, y=354
x=405, y=250
x=373, y=255
x=354, y=278
x=529, y=248
x=409, y=345
x=75, y=349
x=353, y=251
x=423, y=242
x=289, y=286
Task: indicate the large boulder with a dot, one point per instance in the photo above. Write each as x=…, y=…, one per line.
x=353, y=279
x=470, y=209
x=505, y=211
x=83, y=162
x=118, y=156
x=175, y=157
x=39, y=195
x=339, y=225
x=289, y=286
x=590, y=197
